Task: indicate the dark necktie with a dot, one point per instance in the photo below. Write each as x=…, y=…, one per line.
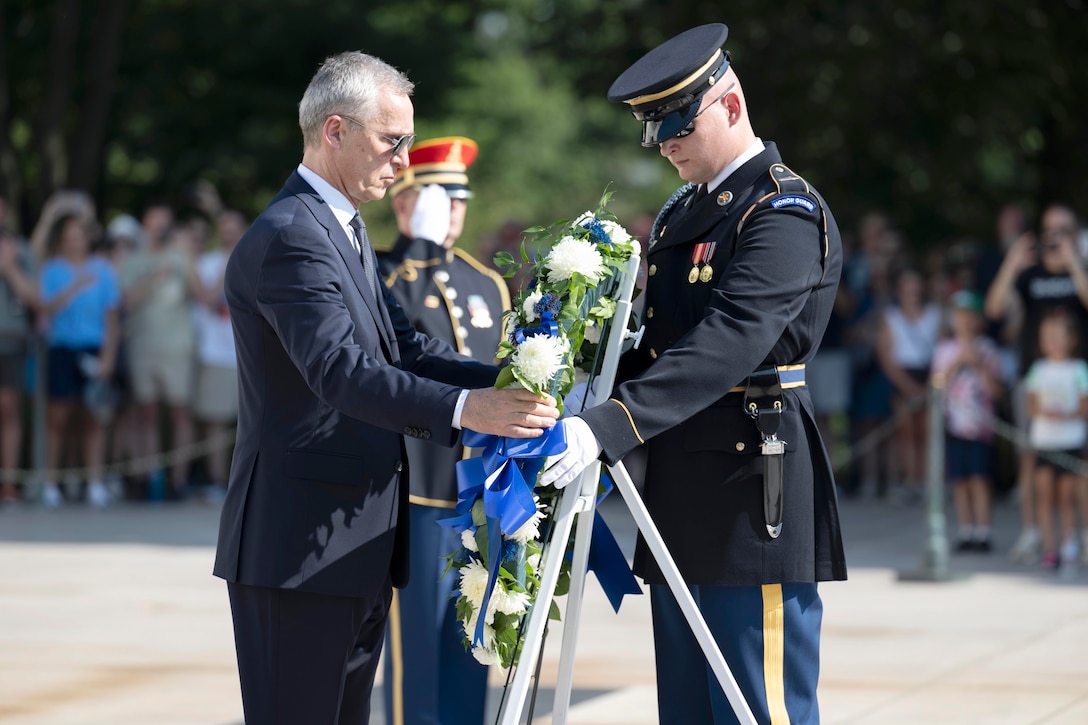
x=366, y=254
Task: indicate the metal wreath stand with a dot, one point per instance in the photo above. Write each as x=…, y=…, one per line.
x=579, y=499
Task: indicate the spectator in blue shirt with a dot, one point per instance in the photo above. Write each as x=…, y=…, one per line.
x=80, y=301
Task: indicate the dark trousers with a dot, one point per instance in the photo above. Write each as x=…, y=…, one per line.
x=306, y=659
x=430, y=679
x=770, y=637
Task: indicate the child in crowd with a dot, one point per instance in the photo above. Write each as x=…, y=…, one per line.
x=1057, y=387
x=968, y=366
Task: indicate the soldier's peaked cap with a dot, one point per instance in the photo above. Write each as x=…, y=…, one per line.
x=672, y=77
x=443, y=161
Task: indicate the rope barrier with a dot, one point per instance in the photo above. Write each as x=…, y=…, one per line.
x=132, y=467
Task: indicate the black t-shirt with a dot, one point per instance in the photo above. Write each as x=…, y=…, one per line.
x=1040, y=291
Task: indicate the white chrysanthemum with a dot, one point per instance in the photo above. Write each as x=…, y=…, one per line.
x=529, y=530
x=508, y=602
x=615, y=232
x=468, y=540
x=581, y=221
x=529, y=304
x=593, y=333
x=474, y=582
x=572, y=255
x=539, y=358
x=486, y=657
x=511, y=324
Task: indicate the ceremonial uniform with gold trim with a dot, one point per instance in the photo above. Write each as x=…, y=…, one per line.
x=450, y=296
x=741, y=282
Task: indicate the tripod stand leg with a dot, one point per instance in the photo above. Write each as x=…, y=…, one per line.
x=650, y=534
x=572, y=618
x=517, y=691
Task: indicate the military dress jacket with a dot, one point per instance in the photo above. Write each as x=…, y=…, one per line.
x=451, y=296
x=331, y=378
x=739, y=280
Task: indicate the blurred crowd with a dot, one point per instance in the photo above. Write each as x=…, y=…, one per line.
x=123, y=331
x=115, y=342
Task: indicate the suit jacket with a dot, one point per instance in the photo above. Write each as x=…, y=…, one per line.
x=330, y=379
x=774, y=258
x=450, y=296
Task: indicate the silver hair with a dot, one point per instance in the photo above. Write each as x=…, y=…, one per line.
x=348, y=83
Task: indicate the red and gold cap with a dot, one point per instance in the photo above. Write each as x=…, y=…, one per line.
x=443, y=161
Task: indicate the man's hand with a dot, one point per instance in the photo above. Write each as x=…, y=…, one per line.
x=515, y=412
x=582, y=450
x=431, y=216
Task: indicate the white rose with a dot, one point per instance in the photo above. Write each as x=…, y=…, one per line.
x=529, y=306
x=468, y=540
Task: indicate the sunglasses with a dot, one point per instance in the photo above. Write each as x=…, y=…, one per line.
x=675, y=119
x=400, y=143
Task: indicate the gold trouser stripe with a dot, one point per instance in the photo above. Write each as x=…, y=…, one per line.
x=396, y=654
x=785, y=386
x=774, y=678
x=432, y=502
x=629, y=419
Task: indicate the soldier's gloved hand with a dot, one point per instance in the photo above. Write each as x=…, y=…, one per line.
x=431, y=217
x=582, y=450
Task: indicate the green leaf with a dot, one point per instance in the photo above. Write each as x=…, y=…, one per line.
x=505, y=377
x=503, y=259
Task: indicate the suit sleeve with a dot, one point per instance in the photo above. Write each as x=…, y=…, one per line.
x=298, y=293
x=777, y=264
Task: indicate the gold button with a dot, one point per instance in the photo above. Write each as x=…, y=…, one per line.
x=740, y=447
x=652, y=270
x=649, y=311
x=653, y=353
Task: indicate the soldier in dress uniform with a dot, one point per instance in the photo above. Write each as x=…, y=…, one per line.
x=447, y=294
x=743, y=265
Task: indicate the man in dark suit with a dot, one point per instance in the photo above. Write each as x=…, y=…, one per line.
x=314, y=528
x=744, y=262
x=449, y=295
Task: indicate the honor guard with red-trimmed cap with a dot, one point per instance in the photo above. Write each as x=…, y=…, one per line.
x=449, y=295
x=743, y=266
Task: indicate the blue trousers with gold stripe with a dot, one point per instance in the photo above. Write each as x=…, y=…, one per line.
x=429, y=677
x=770, y=637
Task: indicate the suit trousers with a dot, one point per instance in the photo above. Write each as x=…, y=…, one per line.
x=305, y=658
x=770, y=637
x=430, y=679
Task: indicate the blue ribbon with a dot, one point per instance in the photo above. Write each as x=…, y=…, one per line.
x=548, y=326
x=606, y=559
x=504, y=476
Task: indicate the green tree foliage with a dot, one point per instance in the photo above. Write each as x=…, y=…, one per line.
x=935, y=112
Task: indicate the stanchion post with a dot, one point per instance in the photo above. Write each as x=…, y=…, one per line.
x=935, y=552
x=33, y=485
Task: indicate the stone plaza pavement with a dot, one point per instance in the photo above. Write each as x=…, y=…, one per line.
x=113, y=618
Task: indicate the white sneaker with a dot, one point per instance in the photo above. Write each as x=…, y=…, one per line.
x=98, y=495
x=1026, y=548
x=51, y=495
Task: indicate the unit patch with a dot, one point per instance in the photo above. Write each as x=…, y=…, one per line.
x=801, y=201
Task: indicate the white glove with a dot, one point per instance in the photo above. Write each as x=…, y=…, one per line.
x=582, y=450
x=431, y=217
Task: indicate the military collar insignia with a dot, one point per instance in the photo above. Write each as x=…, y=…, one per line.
x=725, y=198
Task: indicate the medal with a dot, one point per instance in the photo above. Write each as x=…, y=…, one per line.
x=700, y=257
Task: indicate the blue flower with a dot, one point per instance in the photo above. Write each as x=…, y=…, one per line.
x=596, y=231
x=550, y=302
x=510, y=550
